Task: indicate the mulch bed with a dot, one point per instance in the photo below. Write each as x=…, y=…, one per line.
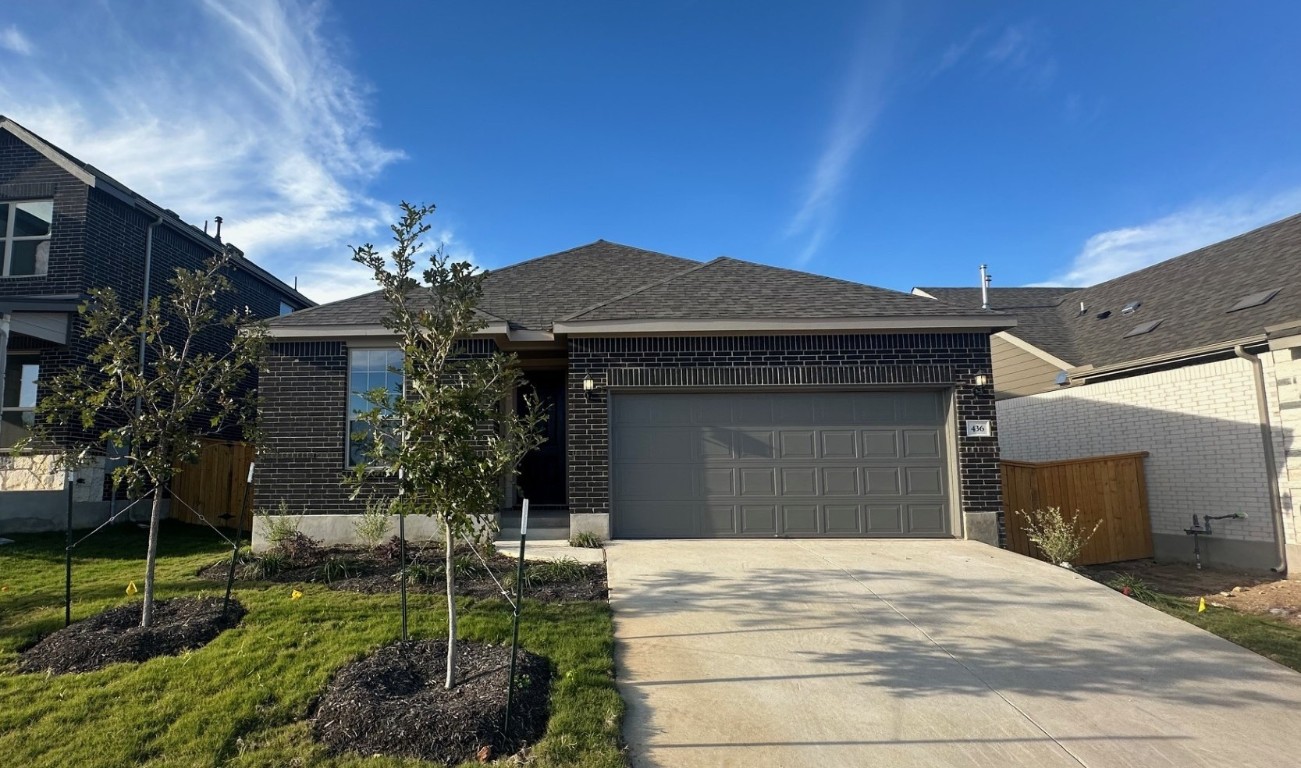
x=116, y=636
x=369, y=573
x=393, y=703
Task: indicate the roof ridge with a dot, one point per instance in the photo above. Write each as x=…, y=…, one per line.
x=635, y=291
x=597, y=241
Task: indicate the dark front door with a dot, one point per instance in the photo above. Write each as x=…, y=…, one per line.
x=542, y=473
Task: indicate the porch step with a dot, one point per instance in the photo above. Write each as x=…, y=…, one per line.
x=536, y=533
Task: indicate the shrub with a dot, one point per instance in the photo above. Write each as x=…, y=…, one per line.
x=586, y=540
x=279, y=525
x=392, y=549
x=374, y=522
x=336, y=568
x=258, y=569
x=298, y=549
x=422, y=573
x=1133, y=586
x=1059, y=540
x=563, y=571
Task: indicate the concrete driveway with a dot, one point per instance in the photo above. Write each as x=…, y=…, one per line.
x=922, y=653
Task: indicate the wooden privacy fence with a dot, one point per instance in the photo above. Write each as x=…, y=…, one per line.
x=1109, y=490
x=214, y=485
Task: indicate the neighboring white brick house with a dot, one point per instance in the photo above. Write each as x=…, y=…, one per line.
x=1199, y=426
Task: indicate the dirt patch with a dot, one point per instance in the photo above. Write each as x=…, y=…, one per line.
x=375, y=572
x=393, y=703
x=116, y=636
x=1247, y=592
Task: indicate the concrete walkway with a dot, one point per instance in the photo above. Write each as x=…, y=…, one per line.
x=911, y=653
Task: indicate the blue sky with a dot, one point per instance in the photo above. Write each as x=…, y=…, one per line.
x=893, y=143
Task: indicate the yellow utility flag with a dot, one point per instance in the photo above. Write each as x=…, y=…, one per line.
x=1201, y=605
x=295, y=595
x=131, y=588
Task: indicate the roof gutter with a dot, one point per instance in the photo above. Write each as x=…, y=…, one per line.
x=1084, y=373
x=1271, y=468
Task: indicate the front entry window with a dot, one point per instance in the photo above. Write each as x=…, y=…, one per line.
x=18, y=408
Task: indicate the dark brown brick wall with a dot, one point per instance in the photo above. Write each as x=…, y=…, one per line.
x=950, y=360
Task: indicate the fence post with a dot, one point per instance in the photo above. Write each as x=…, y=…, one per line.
x=67, y=560
x=239, y=533
x=519, y=598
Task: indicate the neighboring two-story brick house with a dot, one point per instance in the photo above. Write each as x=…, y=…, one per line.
x=723, y=399
x=65, y=228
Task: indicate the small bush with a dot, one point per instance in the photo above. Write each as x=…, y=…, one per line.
x=422, y=573
x=586, y=540
x=261, y=568
x=339, y=568
x=298, y=549
x=374, y=522
x=1133, y=586
x=1059, y=540
x=279, y=525
x=466, y=566
x=563, y=571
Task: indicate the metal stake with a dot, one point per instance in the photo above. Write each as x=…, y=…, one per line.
x=67, y=562
x=402, y=554
x=239, y=533
x=519, y=599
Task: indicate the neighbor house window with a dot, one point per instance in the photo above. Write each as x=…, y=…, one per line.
x=368, y=369
x=25, y=237
x=18, y=408
x=286, y=309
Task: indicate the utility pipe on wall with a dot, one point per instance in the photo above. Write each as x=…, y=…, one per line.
x=1271, y=469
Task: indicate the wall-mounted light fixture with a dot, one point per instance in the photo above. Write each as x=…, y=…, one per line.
x=588, y=386
x=981, y=379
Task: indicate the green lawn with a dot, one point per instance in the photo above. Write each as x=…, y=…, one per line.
x=1271, y=638
x=241, y=700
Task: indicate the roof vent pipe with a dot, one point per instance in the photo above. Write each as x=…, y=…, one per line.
x=217, y=220
x=984, y=287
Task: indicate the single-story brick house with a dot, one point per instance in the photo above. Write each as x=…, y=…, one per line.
x=1197, y=361
x=686, y=399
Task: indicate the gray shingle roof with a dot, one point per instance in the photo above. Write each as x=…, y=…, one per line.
x=727, y=288
x=1035, y=310
x=1190, y=294
x=608, y=281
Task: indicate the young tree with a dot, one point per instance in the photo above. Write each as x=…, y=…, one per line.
x=154, y=387
x=445, y=440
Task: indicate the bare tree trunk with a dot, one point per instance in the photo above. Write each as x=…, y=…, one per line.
x=451, y=605
x=155, y=517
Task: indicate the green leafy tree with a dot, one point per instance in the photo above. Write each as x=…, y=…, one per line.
x=153, y=388
x=445, y=440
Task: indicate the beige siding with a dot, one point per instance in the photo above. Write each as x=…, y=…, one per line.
x=1018, y=372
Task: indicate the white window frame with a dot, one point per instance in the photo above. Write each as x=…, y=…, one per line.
x=17, y=360
x=347, y=405
x=9, y=239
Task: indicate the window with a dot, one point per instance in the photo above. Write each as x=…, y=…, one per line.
x=18, y=408
x=285, y=309
x=368, y=369
x=25, y=237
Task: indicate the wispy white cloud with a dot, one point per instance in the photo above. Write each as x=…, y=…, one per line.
x=855, y=115
x=1120, y=251
x=1022, y=49
x=252, y=115
x=12, y=39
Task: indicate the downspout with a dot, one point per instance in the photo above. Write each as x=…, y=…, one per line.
x=4, y=347
x=1271, y=469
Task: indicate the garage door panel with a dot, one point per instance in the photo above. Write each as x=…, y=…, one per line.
x=799, y=481
x=719, y=520
x=924, y=481
x=758, y=518
x=842, y=519
x=884, y=518
x=800, y=519
x=840, y=481
x=926, y=518
x=881, y=481
x=839, y=444
x=758, y=482
x=797, y=444
x=754, y=443
x=763, y=464
x=880, y=444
